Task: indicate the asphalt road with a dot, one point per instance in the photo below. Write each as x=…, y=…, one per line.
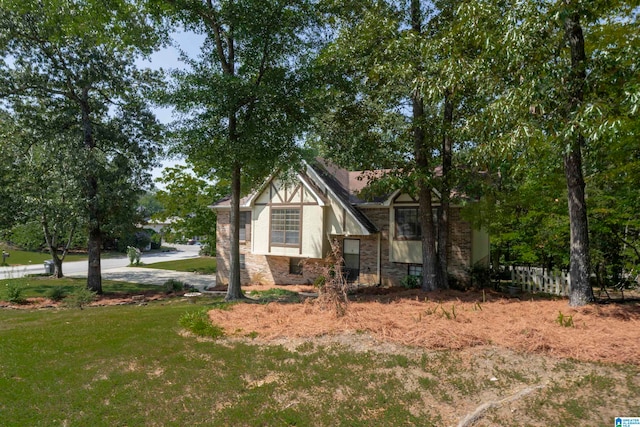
x=117, y=269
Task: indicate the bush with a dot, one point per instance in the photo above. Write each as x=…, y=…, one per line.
x=173, y=285
x=56, y=294
x=156, y=238
x=199, y=324
x=14, y=294
x=79, y=298
x=411, y=282
x=480, y=276
x=207, y=250
x=134, y=255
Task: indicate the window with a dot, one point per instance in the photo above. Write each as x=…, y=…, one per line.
x=408, y=224
x=245, y=226
x=415, y=270
x=295, y=266
x=285, y=227
x=241, y=260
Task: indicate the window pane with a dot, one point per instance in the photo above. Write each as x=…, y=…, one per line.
x=408, y=224
x=285, y=226
x=295, y=266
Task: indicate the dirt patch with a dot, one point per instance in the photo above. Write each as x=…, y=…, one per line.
x=454, y=320
x=100, y=301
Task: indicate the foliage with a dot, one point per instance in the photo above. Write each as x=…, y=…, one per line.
x=207, y=249
x=56, y=293
x=480, y=276
x=198, y=323
x=28, y=236
x=186, y=200
x=41, y=286
x=73, y=85
x=261, y=78
x=149, y=204
x=276, y=294
x=80, y=297
x=174, y=285
x=134, y=255
x=564, y=320
x=14, y=293
x=411, y=282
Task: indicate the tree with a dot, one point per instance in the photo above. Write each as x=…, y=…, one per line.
x=78, y=59
x=245, y=99
x=186, y=198
x=559, y=62
x=401, y=93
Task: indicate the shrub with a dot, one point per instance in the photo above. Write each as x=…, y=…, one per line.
x=198, y=323
x=79, y=298
x=411, y=282
x=207, y=250
x=154, y=237
x=480, y=276
x=14, y=294
x=134, y=255
x=174, y=285
x=56, y=294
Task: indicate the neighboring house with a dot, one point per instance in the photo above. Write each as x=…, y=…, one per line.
x=286, y=227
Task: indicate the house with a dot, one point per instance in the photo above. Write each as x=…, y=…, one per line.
x=286, y=226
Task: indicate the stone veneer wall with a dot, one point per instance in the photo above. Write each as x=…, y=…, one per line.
x=258, y=268
x=275, y=269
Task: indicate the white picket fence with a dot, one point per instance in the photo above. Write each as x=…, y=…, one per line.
x=531, y=279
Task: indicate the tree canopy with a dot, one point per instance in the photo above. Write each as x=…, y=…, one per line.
x=69, y=66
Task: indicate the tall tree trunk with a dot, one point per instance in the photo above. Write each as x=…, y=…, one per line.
x=581, y=292
x=445, y=192
x=429, y=255
x=234, y=290
x=422, y=152
x=94, y=244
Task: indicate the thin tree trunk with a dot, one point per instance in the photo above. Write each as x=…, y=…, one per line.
x=94, y=244
x=50, y=239
x=581, y=292
x=445, y=192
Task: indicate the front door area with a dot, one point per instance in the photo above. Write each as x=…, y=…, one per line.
x=351, y=255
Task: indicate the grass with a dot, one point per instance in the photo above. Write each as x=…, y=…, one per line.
x=18, y=257
x=140, y=367
x=139, y=370
x=41, y=286
x=275, y=294
x=202, y=265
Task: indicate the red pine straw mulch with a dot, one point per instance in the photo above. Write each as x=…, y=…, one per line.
x=455, y=320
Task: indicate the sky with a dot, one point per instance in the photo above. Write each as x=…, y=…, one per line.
x=169, y=58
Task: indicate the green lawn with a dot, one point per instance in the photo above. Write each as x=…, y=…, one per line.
x=17, y=257
x=203, y=265
x=133, y=365
x=40, y=286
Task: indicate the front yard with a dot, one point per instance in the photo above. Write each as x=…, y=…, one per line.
x=293, y=364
